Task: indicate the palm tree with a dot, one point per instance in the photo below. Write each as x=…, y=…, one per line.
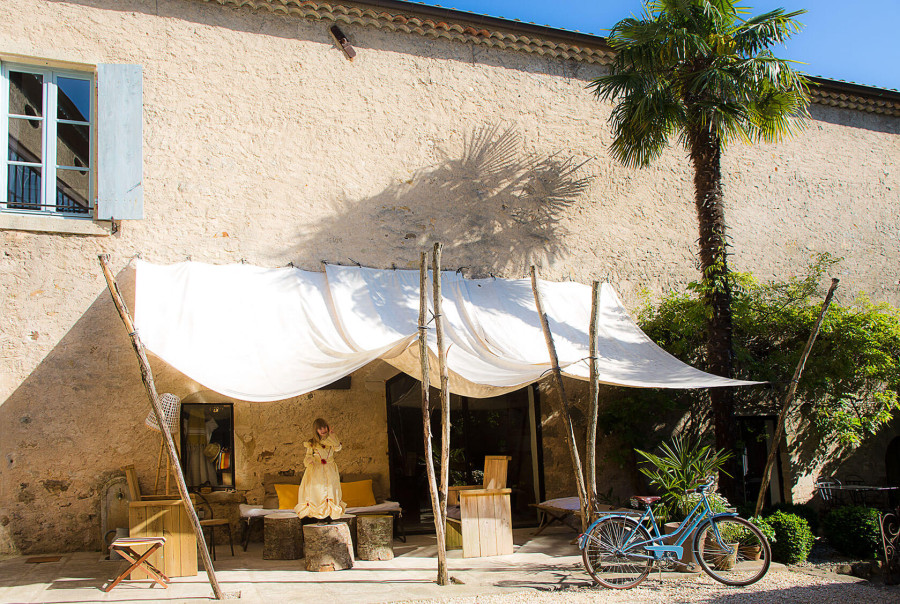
x=700, y=70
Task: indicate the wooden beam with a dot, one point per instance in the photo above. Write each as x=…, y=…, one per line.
x=443, y=576
x=564, y=401
x=595, y=403
x=439, y=522
x=150, y=387
x=779, y=427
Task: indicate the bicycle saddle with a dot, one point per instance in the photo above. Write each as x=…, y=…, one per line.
x=645, y=500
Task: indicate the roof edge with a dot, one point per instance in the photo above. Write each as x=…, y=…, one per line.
x=461, y=26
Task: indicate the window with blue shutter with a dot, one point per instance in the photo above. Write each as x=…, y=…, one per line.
x=67, y=156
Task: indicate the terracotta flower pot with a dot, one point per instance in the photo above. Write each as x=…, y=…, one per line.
x=751, y=552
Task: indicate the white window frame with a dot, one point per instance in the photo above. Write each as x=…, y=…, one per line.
x=50, y=122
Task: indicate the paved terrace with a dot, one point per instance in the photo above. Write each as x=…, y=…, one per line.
x=540, y=568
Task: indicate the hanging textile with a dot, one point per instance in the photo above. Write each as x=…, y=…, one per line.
x=259, y=334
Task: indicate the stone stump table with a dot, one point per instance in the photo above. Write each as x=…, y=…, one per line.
x=375, y=537
x=328, y=546
x=282, y=537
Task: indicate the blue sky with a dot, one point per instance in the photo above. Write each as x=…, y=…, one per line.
x=851, y=40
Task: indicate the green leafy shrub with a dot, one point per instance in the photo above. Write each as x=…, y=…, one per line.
x=681, y=466
x=853, y=531
x=793, y=539
x=765, y=528
x=851, y=384
x=806, y=512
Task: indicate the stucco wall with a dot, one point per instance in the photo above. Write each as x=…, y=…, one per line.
x=263, y=143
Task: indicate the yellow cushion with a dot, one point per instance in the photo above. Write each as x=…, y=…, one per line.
x=287, y=495
x=357, y=494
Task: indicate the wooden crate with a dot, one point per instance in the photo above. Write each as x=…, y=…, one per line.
x=486, y=519
x=167, y=518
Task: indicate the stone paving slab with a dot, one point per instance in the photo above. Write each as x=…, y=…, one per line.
x=539, y=565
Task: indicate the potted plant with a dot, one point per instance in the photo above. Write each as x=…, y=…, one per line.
x=682, y=465
x=749, y=545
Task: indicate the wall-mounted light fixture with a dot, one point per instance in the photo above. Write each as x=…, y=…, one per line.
x=342, y=42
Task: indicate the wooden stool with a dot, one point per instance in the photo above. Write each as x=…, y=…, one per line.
x=282, y=537
x=328, y=546
x=124, y=546
x=375, y=535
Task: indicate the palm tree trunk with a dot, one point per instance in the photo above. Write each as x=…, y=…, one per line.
x=706, y=154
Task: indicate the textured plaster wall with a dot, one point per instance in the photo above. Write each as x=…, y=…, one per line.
x=262, y=142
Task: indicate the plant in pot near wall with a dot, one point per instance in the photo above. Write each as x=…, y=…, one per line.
x=681, y=466
x=749, y=544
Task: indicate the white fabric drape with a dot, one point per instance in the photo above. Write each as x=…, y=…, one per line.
x=260, y=334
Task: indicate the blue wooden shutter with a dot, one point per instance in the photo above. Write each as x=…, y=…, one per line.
x=120, y=173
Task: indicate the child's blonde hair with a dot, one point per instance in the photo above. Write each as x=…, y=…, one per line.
x=319, y=423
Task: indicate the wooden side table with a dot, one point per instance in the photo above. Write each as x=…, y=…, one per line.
x=282, y=536
x=165, y=518
x=375, y=535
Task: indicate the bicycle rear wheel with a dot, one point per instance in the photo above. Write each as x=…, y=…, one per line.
x=610, y=556
x=732, y=551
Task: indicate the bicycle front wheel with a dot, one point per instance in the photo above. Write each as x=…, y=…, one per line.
x=611, y=554
x=732, y=551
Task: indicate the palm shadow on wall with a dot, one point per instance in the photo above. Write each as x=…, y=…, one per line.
x=495, y=208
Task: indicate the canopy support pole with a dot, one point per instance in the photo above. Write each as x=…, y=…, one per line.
x=445, y=401
x=779, y=428
x=564, y=401
x=595, y=402
x=147, y=378
x=439, y=521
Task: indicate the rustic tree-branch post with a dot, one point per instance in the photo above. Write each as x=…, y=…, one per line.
x=147, y=378
x=595, y=401
x=445, y=379
x=564, y=401
x=779, y=428
x=439, y=520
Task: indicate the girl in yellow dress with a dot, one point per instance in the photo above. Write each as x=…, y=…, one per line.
x=320, y=489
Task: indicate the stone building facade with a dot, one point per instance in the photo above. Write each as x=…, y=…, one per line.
x=262, y=142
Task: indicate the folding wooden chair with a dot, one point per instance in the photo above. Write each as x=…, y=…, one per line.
x=125, y=546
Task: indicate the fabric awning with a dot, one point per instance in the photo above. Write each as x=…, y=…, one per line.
x=263, y=334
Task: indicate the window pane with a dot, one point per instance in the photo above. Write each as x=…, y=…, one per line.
x=26, y=94
x=24, y=188
x=74, y=99
x=73, y=145
x=72, y=191
x=25, y=140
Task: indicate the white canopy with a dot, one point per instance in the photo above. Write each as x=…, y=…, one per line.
x=262, y=334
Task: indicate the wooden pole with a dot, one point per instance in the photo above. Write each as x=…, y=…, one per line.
x=439, y=526
x=779, y=428
x=147, y=378
x=564, y=401
x=595, y=402
x=445, y=402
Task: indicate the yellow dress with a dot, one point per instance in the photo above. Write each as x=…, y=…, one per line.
x=320, y=489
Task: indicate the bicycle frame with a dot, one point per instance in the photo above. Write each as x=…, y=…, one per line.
x=655, y=545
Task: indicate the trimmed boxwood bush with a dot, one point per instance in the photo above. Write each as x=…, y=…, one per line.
x=806, y=512
x=793, y=538
x=854, y=531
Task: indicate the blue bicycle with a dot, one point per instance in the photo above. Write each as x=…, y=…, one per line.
x=619, y=552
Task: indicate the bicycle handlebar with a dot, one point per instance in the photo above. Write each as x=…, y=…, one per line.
x=703, y=487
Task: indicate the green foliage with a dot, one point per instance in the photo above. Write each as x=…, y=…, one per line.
x=698, y=66
x=850, y=384
x=853, y=531
x=681, y=466
x=793, y=539
x=767, y=529
x=807, y=512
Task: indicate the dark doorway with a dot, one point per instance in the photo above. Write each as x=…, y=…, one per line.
x=756, y=435
x=502, y=425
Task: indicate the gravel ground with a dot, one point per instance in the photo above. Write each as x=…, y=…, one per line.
x=791, y=585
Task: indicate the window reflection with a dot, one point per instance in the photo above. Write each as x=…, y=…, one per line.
x=73, y=99
x=26, y=94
